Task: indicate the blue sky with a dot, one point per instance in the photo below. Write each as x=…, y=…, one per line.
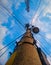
x=39, y=15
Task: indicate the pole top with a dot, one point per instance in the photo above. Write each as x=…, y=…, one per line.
x=27, y=26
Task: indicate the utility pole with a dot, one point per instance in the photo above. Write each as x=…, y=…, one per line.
x=26, y=52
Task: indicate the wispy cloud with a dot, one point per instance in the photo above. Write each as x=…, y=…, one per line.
x=49, y=59
x=17, y=3
x=43, y=20
x=48, y=36
x=3, y=31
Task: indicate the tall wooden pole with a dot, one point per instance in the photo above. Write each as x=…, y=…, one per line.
x=26, y=52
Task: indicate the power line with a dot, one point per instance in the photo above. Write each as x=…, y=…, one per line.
x=38, y=4
x=43, y=48
x=12, y=41
x=44, y=38
x=37, y=9
x=39, y=13
x=13, y=15
x=5, y=51
x=9, y=12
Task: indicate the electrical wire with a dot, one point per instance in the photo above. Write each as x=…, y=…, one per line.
x=8, y=14
x=20, y=13
x=39, y=14
x=12, y=41
x=42, y=46
x=13, y=15
x=45, y=41
x=5, y=51
x=37, y=10
x=44, y=51
x=38, y=2
x=44, y=38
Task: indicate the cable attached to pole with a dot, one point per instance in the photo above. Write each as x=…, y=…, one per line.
x=5, y=51
x=42, y=47
x=43, y=38
x=12, y=42
x=13, y=15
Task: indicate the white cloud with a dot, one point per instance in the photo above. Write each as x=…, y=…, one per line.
x=42, y=12
x=3, y=31
x=38, y=12
x=3, y=15
x=38, y=43
x=49, y=59
x=17, y=3
x=44, y=26
x=13, y=23
x=3, y=58
x=36, y=21
x=48, y=36
x=47, y=9
x=6, y=3
x=12, y=27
